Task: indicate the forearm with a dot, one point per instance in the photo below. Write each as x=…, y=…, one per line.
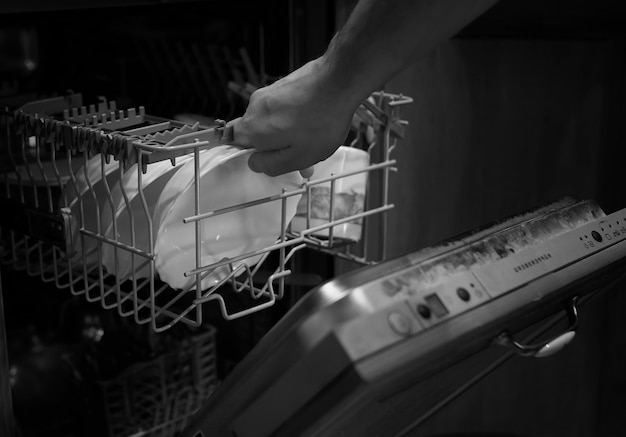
x=382, y=37
x=302, y=118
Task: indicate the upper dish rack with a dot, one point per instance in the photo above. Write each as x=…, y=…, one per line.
x=46, y=146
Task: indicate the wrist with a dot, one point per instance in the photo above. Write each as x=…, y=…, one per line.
x=344, y=83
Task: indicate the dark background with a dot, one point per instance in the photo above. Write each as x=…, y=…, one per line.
x=524, y=106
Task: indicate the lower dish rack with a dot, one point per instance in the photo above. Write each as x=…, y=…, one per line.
x=156, y=398
x=65, y=164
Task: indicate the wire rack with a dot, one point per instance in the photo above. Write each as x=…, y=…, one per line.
x=51, y=144
x=157, y=397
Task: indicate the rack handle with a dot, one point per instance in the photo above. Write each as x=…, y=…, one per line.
x=545, y=348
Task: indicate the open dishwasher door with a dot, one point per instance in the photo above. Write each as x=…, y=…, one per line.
x=373, y=352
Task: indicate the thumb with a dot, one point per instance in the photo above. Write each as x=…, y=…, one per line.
x=235, y=133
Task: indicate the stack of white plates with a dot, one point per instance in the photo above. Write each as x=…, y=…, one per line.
x=169, y=193
x=225, y=181
x=93, y=201
x=131, y=223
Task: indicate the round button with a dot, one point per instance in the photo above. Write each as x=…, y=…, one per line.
x=423, y=311
x=463, y=294
x=399, y=323
x=596, y=236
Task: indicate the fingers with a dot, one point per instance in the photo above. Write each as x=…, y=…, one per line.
x=271, y=159
x=245, y=133
x=277, y=162
x=271, y=162
x=235, y=133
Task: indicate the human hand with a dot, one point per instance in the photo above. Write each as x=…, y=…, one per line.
x=295, y=122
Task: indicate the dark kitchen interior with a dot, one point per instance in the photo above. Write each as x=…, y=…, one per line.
x=522, y=107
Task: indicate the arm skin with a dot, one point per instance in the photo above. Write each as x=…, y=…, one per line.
x=304, y=117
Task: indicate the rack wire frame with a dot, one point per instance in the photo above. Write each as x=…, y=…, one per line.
x=156, y=398
x=47, y=143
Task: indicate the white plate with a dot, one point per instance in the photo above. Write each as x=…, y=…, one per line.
x=93, y=203
x=153, y=182
x=225, y=181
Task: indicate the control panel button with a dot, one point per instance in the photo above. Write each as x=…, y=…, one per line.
x=423, y=311
x=596, y=236
x=435, y=305
x=463, y=294
x=399, y=323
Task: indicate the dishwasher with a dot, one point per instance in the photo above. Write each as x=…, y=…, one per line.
x=353, y=352
x=78, y=179
x=343, y=357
